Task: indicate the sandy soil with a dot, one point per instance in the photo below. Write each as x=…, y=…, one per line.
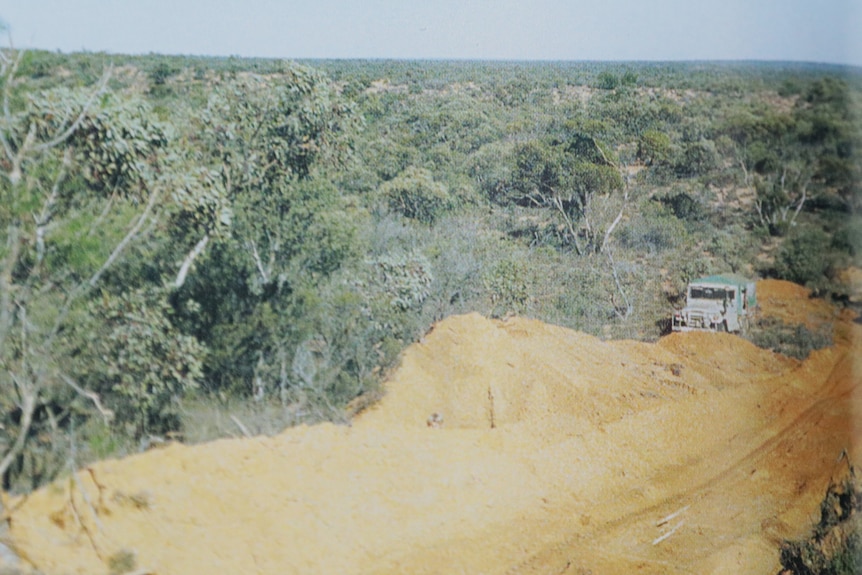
x=556, y=453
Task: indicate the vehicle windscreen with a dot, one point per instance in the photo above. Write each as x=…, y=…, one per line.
x=700, y=292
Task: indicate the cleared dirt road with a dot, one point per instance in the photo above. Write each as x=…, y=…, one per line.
x=557, y=453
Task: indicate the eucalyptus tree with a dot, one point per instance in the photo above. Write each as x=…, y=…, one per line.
x=269, y=140
x=86, y=177
x=790, y=157
x=579, y=180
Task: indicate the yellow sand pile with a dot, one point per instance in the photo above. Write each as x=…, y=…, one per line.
x=548, y=451
x=793, y=304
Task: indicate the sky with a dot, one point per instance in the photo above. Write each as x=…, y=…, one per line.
x=823, y=31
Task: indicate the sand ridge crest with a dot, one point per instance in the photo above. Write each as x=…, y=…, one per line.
x=554, y=450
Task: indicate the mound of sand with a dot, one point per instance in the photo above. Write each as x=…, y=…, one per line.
x=793, y=304
x=549, y=451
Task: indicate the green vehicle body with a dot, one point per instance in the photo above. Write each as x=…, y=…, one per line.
x=717, y=303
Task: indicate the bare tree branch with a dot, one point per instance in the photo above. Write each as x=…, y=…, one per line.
x=16, y=173
x=13, y=247
x=44, y=218
x=84, y=287
x=107, y=414
x=118, y=250
x=567, y=219
x=29, y=396
x=602, y=154
x=629, y=308
x=10, y=67
x=801, y=202
x=616, y=221
x=265, y=273
x=189, y=260
x=241, y=426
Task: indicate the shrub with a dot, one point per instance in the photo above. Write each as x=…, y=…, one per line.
x=795, y=341
x=509, y=287
x=733, y=246
x=415, y=194
x=847, y=237
x=139, y=361
x=697, y=159
x=686, y=267
x=113, y=141
x=652, y=230
x=654, y=148
x=835, y=546
x=683, y=206
x=607, y=80
x=803, y=258
x=490, y=167
x=406, y=279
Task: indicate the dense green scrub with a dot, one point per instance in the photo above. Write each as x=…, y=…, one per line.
x=183, y=240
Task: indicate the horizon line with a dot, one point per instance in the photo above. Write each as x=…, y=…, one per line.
x=459, y=59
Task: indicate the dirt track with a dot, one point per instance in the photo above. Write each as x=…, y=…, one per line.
x=558, y=453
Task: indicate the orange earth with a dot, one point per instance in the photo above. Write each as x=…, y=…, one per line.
x=557, y=453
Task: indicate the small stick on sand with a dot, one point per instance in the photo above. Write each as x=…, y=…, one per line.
x=668, y=534
x=242, y=427
x=664, y=520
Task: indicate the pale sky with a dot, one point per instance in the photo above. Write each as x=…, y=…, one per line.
x=827, y=31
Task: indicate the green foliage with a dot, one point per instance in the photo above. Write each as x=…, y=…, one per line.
x=773, y=202
x=285, y=124
x=160, y=73
x=847, y=237
x=538, y=169
x=302, y=229
x=102, y=440
x=269, y=141
x=415, y=194
x=508, y=283
x=795, y=341
x=652, y=230
x=200, y=203
x=82, y=189
x=114, y=138
x=686, y=267
x=405, y=279
x=654, y=148
x=733, y=248
x=835, y=546
x=490, y=167
x=257, y=291
x=697, y=159
x=607, y=80
x=587, y=149
x=330, y=240
x=683, y=205
x=579, y=169
x=38, y=64
x=575, y=180
x=139, y=361
x=804, y=257
x=598, y=179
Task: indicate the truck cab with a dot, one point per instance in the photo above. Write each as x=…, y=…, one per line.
x=717, y=303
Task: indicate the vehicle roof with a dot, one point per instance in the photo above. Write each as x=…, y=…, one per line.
x=722, y=279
